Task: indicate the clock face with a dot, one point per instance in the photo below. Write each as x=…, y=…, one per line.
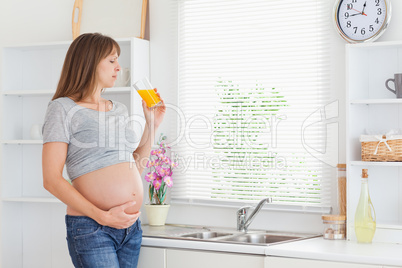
x=362, y=20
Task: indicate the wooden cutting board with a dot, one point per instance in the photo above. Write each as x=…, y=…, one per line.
x=76, y=21
x=143, y=18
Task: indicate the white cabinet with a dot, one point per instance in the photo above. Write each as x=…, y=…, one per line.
x=151, y=257
x=176, y=258
x=201, y=259
x=32, y=221
x=279, y=262
x=370, y=106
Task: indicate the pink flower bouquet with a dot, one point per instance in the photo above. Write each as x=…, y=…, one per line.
x=160, y=174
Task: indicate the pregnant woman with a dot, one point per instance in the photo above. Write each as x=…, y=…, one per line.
x=93, y=137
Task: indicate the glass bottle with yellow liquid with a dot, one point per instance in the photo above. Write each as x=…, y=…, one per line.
x=365, y=220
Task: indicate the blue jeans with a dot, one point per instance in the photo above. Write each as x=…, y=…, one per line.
x=93, y=245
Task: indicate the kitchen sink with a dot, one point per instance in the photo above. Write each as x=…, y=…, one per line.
x=205, y=235
x=224, y=235
x=260, y=238
x=252, y=238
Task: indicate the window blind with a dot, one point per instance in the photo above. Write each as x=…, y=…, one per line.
x=250, y=73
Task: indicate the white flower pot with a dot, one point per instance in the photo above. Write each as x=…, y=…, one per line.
x=157, y=214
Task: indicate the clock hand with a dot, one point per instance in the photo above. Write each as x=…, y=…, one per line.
x=364, y=6
x=359, y=12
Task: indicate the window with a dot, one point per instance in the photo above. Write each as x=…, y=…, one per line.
x=253, y=78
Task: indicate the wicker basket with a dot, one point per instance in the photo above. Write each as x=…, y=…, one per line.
x=375, y=149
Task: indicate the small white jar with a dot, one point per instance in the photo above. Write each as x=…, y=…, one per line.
x=334, y=227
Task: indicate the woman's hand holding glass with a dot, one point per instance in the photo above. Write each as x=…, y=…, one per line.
x=147, y=92
x=155, y=114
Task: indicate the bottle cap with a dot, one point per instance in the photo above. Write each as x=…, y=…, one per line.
x=334, y=217
x=364, y=173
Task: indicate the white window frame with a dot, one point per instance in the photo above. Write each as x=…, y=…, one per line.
x=299, y=207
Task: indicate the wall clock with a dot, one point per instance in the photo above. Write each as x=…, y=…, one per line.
x=360, y=21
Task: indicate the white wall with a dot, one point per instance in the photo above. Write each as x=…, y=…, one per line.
x=27, y=21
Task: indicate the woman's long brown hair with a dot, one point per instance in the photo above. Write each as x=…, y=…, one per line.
x=78, y=75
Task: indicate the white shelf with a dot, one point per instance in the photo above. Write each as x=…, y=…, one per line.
x=377, y=101
x=117, y=90
x=387, y=44
x=48, y=45
x=31, y=219
x=378, y=164
x=114, y=90
x=28, y=92
x=389, y=225
x=385, y=225
x=22, y=142
x=32, y=199
x=370, y=106
x=44, y=45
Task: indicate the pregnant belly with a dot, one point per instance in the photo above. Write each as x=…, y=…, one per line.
x=110, y=187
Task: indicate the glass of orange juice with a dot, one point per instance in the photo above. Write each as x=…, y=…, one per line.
x=147, y=92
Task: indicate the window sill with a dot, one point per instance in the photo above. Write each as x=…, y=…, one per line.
x=266, y=207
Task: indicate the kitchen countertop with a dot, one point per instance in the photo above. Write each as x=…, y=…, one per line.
x=313, y=248
x=340, y=250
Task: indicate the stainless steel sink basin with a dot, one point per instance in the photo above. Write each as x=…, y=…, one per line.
x=205, y=235
x=226, y=235
x=256, y=238
x=260, y=238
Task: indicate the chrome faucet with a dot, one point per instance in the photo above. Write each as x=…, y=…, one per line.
x=242, y=221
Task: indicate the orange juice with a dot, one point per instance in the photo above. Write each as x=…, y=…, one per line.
x=149, y=96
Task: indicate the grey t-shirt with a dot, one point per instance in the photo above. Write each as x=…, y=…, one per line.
x=95, y=139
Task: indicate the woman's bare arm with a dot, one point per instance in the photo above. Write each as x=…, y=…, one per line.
x=141, y=154
x=153, y=118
